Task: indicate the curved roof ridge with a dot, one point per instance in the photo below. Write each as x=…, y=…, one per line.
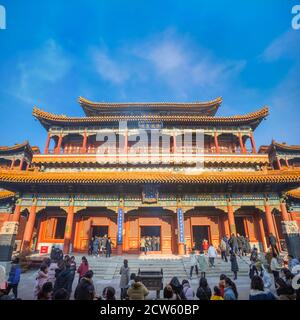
x=83, y=100
x=15, y=146
x=39, y=113
x=285, y=146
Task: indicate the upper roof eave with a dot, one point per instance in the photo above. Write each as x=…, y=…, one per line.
x=94, y=108
x=252, y=119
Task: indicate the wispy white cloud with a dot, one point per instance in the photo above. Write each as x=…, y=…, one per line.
x=287, y=45
x=108, y=68
x=39, y=69
x=167, y=59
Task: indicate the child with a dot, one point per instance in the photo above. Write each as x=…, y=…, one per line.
x=222, y=284
x=217, y=294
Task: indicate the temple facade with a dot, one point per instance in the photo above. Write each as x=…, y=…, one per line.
x=176, y=171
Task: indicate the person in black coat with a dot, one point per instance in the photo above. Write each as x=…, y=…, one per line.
x=203, y=292
x=85, y=289
x=233, y=243
x=108, y=247
x=64, y=278
x=177, y=287
x=273, y=243
x=234, y=264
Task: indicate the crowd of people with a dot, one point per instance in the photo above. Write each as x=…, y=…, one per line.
x=100, y=246
x=270, y=276
x=149, y=243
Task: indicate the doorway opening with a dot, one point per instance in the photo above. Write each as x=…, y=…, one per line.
x=150, y=236
x=99, y=231
x=200, y=233
x=240, y=226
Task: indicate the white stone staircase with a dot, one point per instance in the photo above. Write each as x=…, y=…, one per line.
x=172, y=265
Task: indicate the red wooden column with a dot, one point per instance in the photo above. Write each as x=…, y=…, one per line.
x=252, y=143
x=269, y=218
x=174, y=143
x=231, y=221
x=287, y=162
x=57, y=149
x=126, y=142
x=21, y=164
x=29, y=227
x=46, y=151
x=84, y=143
x=17, y=213
x=262, y=232
x=225, y=224
x=69, y=228
x=241, y=144
x=283, y=211
x=216, y=142
x=278, y=163
x=12, y=164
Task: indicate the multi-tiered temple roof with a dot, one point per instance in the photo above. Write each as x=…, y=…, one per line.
x=200, y=113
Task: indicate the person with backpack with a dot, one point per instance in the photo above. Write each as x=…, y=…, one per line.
x=187, y=292
x=203, y=291
x=14, y=277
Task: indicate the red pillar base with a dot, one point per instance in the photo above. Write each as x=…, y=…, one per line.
x=119, y=249
x=181, y=248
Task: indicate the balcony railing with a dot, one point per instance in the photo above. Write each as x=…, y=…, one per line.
x=149, y=151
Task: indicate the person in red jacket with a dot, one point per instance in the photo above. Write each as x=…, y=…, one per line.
x=83, y=268
x=205, y=245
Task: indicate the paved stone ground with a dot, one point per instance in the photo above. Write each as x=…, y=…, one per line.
x=27, y=283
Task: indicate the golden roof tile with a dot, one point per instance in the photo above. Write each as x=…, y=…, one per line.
x=115, y=177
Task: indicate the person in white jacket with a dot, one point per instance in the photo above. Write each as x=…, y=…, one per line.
x=265, y=277
x=212, y=254
x=194, y=263
x=275, y=266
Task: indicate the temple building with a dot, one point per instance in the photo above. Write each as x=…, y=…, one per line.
x=176, y=171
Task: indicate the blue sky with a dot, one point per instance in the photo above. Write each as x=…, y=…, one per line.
x=244, y=51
